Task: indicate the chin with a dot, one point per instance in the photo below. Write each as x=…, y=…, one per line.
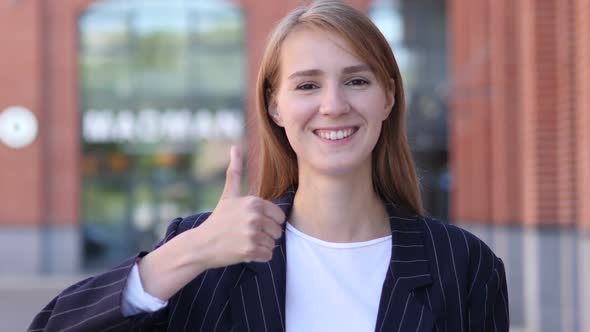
x=339, y=168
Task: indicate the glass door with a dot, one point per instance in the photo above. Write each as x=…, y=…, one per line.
x=162, y=91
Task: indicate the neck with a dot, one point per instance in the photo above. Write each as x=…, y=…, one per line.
x=339, y=208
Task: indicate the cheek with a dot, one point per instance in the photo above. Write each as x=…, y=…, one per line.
x=380, y=107
x=373, y=110
x=296, y=112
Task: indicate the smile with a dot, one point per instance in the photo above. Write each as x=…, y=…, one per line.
x=335, y=134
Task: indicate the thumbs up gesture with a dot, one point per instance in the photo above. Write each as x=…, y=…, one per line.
x=241, y=228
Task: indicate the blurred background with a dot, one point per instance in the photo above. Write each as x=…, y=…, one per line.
x=116, y=116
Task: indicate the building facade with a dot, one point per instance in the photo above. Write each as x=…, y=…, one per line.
x=117, y=116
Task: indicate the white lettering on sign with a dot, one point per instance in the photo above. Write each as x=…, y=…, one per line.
x=152, y=126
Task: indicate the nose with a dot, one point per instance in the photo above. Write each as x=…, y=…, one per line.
x=334, y=101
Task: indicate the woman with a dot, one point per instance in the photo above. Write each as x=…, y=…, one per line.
x=335, y=239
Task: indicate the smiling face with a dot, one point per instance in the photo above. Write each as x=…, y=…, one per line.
x=329, y=102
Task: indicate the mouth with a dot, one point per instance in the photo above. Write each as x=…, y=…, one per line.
x=336, y=134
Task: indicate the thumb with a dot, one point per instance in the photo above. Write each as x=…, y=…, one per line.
x=233, y=178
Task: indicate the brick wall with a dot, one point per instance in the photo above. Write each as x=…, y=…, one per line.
x=519, y=147
x=38, y=70
x=581, y=37
x=21, y=190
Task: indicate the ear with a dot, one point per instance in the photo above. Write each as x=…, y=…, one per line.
x=389, y=99
x=273, y=111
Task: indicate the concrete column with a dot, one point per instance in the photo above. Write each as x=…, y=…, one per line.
x=583, y=289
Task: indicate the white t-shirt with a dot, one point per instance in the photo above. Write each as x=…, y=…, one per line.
x=334, y=286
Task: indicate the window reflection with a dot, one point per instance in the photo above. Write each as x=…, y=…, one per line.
x=162, y=89
x=416, y=31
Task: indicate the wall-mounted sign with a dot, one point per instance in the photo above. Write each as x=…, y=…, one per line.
x=18, y=127
x=152, y=126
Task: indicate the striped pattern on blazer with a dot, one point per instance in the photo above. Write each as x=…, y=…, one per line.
x=440, y=278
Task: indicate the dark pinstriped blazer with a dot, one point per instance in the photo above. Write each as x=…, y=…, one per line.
x=441, y=278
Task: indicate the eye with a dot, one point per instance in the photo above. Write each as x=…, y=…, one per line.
x=358, y=82
x=306, y=86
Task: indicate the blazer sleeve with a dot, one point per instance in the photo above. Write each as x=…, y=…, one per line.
x=488, y=301
x=94, y=304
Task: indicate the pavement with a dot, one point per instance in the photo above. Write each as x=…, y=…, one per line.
x=21, y=297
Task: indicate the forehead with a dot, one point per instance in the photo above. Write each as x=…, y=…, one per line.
x=305, y=49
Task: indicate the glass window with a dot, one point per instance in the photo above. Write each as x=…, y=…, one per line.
x=416, y=31
x=162, y=91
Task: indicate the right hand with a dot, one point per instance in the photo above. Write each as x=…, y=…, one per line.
x=241, y=228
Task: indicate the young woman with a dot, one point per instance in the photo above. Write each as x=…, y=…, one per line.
x=334, y=240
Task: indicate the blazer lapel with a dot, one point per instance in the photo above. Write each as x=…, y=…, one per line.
x=258, y=303
x=399, y=308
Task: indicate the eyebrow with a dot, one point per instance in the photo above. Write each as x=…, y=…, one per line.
x=317, y=72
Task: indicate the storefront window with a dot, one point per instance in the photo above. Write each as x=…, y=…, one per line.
x=162, y=99
x=416, y=31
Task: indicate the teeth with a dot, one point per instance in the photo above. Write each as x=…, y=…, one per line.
x=334, y=135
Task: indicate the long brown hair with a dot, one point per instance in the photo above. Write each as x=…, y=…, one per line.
x=393, y=175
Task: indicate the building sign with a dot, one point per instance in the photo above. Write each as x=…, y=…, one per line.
x=154, y=126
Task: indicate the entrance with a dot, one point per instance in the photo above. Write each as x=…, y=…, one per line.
x=162, y=90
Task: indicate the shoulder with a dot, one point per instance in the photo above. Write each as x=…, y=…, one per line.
x=460, y=252
x=180, y=225
x=455, y=239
